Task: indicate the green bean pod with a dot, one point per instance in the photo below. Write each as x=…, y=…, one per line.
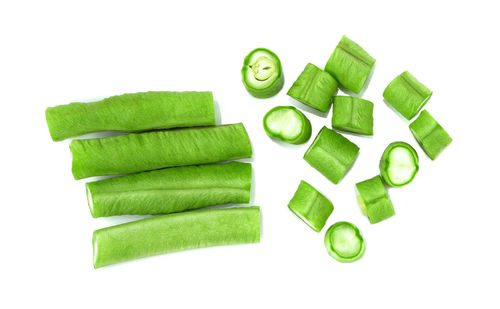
x=314, y=87
x=171, y=190
x=344, y=242
x=132, y=112
x=153, y=150
x=262, y=74
x=407, y=95
x=374, y=200
x=350, y=64
x=287, y=124
x=331, y=154
x=352, y=114
x=399, y=164
x=429, y=134
x=310, y=206
x=175, y=232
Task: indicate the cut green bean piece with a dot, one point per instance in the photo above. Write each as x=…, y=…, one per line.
x=331, y=154
x=374, y=200
x=148, y=151
x=262, y=74
x=132, y=112
x=287, y=124
x=352, y=114
x=314, y=87
x=344, y=242
x=429, y=134
x=310, y=206
x=399, y=164
x=170, y=190
x=407, y=95
x=175, y=232
x=350, y=64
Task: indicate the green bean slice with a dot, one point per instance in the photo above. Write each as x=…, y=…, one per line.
x=287, y=124
x=373, y=200
x=430, y=135
x=399, y=164
x=344, y=242
x=352, y=114
x=262, y=74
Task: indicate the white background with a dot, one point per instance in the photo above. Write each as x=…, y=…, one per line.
x=441, y=248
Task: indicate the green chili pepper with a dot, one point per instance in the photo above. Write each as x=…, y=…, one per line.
x=153, y=150
x=310, y=206
x=399, y=164
x=314, y=87
x=429, y=134
x=170, y=190
x=331, y=154
x=350, y=64
x=287, y=124
x=176, y=232
x=132, y=112
x=374, y=200
x=407, y=95
x=352, y=114
x=262, y=74
x=344, y=242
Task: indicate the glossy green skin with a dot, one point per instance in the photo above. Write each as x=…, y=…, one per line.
x=314, y=87
x=331, y=154
x=350, y=64
x=310, y=206
x=429, y=134
x=132, y=112
x=385, y=163
x=274, y=88
x=376, y=200
x=407, y=95
x=352, y=114
x=153, y=150
x=306, y=130
x=331, y=250
x=175, y=232
x=171, y=190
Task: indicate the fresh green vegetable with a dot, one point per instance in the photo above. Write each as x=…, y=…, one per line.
x=407, y=95
x=262, y=74
x=352, y=114
x=344, y=242
x=170, y=190
x=147, y=151
x=314, y=87
x=350, y=64
x=310, y=206
x=132, y=112
x=399, y=164
x=374, y=200
x=287, y=124
x=175, y=232
x=331, y=154
x=429, y=134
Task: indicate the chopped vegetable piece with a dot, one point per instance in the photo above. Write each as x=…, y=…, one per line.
x=170, y=190
x=147, y=151
x=331, y=154
x=344, y=242
x=310, y=206
x=350, y=64
x=262, y=74
x=374, y=200
x=399, y=164
x=407, y=95
x=353, y=115
x=132, y=112
x=287, y=124
x=175, y=232
x=429, y=134
x=314, y=87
